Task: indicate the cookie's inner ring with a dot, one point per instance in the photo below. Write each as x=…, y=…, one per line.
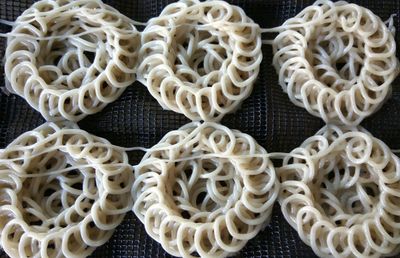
x=61, y=59
x=203, y=189
x=56, y=201
x=72, y=50
x=203, y=51
x=68, y=63
x=336, y=60
x=346, y=191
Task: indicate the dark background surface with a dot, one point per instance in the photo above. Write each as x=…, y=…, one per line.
x=136, y=119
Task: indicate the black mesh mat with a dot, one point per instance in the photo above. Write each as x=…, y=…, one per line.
x=136, y=119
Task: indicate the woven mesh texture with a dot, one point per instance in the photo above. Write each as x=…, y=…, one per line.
x=136, y=119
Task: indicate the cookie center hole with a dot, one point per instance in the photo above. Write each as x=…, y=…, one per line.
x=67, y=52
x=204, y=188
x=337, y=61
x=346, y=191
x=43, y=199
x=202, y=52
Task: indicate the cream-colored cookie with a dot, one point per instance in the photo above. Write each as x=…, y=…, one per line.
x=337, y=60
x=200, y=59
x=340, y=190
x=69, y=59
x=211, y=206
x=63, y=192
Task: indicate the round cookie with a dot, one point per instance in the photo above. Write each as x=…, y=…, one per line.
x=197, y=194
x=337, y=60
x=200, y=59
x=69, y=59
x=340, y=190
x=63, y=192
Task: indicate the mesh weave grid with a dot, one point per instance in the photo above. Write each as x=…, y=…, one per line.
x=136, y=119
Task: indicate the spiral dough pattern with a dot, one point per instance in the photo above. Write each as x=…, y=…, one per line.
x=342, y=194
x=67, y=214
x=205, y=206
x=337, y=60
x=71, y=58
x=200, y=58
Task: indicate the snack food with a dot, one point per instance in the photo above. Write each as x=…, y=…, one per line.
x=211, y=206
x=63, y=192
x=200, y=59
x=69, y=59
x=337, y=60
x=342, y=193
